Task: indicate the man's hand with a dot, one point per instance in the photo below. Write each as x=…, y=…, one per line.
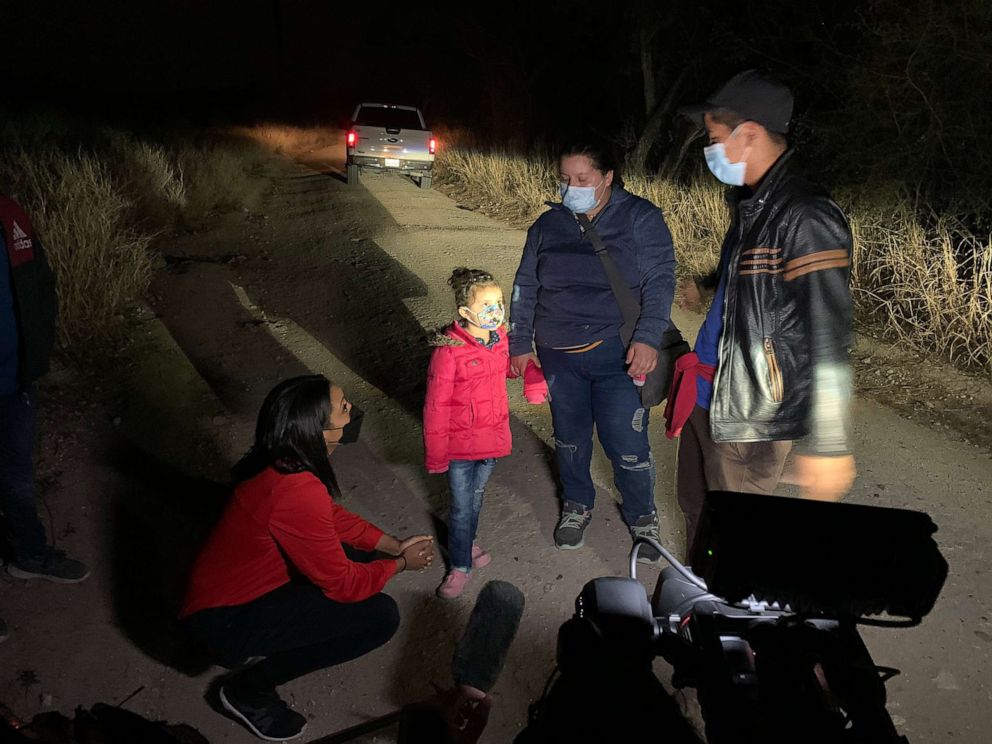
x=641, y=359
x=462, y=710
x=518, y=364
x=688, y=296
x=823, y=478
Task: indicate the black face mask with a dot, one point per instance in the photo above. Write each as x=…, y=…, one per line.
x=351, y=430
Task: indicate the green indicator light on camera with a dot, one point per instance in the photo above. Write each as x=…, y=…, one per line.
x=709, y=551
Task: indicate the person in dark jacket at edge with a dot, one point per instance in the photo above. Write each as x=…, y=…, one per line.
x=770, y=368
x=28, y=308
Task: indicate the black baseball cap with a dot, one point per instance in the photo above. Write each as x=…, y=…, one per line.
x=752, y=95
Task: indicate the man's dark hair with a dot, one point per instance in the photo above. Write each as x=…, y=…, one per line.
x=603, y=155
x=289, y=434
x=732, y=119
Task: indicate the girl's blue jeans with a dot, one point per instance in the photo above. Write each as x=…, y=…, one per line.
x=467, y=481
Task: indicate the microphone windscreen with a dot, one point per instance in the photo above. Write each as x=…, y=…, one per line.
x=482, y=649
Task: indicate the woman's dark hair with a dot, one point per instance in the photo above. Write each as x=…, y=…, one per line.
x=464, y=281
x=603, y=155
x=289, y=434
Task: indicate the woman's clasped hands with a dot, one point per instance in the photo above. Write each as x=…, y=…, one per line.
x=418, y=552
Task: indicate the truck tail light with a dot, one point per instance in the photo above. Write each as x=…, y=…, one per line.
x=352, y=138
x=432, y=145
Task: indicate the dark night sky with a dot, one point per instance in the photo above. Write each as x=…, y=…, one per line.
x=307, y=57
x=899, y=88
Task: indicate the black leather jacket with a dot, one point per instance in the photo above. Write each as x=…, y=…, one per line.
x=784, y=371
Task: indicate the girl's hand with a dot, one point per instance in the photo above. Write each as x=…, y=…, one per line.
x=518, y=364
x=419, y=555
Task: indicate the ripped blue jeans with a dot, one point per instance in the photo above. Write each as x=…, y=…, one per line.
x=467, y=482
x=589, y=388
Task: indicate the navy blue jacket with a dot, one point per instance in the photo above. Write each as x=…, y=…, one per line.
x=561, y=294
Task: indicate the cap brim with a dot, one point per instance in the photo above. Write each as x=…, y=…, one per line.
x=695, y=113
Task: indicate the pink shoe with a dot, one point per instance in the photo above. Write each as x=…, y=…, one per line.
x=480, y=558
x=453, y=584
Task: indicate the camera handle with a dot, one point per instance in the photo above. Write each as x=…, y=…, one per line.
x=634, y=551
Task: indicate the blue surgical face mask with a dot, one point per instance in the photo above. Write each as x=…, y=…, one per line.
x=729, y=173
x=580, y=199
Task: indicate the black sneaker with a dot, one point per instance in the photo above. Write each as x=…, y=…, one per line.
x=3, y=630
x=572, y=526
x=646, y=526
x=53, y=566
x=264, y=714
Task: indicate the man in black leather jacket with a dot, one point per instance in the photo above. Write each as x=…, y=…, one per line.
x=771, y=363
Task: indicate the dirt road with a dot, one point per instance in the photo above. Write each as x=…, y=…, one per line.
x=344, y=281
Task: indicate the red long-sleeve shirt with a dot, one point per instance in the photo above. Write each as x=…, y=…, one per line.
x=272, y=521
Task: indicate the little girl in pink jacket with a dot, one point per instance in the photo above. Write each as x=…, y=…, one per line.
x=467, y=414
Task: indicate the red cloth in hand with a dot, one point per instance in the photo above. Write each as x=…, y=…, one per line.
x=535, y=386
x=682, y=396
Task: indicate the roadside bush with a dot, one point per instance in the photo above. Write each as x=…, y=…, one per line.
x=504, y=184
x=929, y=287
x=289, y=140
x=100, y=202
x=221, y=174
x=101, y=262
x=152, y=178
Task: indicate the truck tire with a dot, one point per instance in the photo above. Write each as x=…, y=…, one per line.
x=352, y=174
x=425, y=182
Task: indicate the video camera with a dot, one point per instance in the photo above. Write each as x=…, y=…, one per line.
x=764, y=627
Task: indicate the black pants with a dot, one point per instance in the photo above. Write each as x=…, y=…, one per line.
x=297, y=629
x=18, y=505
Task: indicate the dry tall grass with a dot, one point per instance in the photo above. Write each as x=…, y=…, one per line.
x=101, y=263
x=929, y=288
x=153, y=178
x=286, y=139
x=220, y=175
x=99, y=209
x=925, y=286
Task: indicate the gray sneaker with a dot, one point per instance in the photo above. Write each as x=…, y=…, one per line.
x=572, y=526
x=53, y=566
x=646, y=526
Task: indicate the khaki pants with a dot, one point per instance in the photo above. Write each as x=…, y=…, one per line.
x=705, y=465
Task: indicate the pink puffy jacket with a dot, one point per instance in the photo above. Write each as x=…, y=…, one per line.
x=466, y=412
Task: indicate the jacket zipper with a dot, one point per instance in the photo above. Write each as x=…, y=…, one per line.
x=727, y=289
x=774, y=371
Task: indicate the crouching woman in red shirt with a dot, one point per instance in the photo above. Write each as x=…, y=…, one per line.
x=273, y=579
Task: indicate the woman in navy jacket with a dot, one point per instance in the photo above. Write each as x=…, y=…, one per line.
x=563, y=305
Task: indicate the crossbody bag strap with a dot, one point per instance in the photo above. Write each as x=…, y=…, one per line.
x=630, y=308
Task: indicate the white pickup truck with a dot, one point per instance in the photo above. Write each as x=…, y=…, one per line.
x=385, y=137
